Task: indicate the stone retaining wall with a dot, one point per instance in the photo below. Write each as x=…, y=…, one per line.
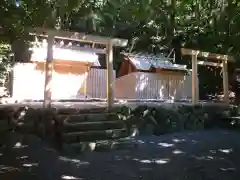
x=157, y=119
x=173, y=118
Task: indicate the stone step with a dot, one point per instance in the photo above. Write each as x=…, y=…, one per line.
x=234, y=118
x=232, y=122
x=88, y=117
x=26, y=128
x=74, y=137
x=67, y=111
x=92, y=125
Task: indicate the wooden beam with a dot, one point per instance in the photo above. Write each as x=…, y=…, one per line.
x=76, y=48
x=110, y=90
x=65, y=63
x=76, y=36
x=206, y=63
x=195, y=86
x=225, y=82
x=207, y=55
x=83, y=49
x=48, y=73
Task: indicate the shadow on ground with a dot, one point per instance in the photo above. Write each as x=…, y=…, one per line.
x=203, y=155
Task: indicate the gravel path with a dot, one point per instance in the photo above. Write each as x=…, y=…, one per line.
x=203, y=155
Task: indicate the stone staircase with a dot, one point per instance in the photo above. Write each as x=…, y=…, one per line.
x=87, y=126
x=231, y=122
x=64, y=126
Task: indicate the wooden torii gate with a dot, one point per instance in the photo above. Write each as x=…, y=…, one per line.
x=224, y=59
x=108, y=42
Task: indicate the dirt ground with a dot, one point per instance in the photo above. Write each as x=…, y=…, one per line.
x=203, y=155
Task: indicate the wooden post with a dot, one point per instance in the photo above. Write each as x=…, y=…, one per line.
x=48, y=73
x=85, y=81
x=195, y=90
x=225, y=81
x=109, y=61
x=197, y=86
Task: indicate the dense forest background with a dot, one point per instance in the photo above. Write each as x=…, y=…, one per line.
x=149, y=25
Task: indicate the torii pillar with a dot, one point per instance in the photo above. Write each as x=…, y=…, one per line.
x=48, y=73
x=110, y=78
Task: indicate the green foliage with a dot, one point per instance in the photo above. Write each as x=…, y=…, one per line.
x=157, y=20
x=210, y=24
x=5, y=63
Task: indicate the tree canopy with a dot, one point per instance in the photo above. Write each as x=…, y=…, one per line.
x=210, y=25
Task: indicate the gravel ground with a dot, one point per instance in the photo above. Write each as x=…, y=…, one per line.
x=202, y=155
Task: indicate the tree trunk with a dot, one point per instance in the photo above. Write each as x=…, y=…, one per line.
x=171, y=24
